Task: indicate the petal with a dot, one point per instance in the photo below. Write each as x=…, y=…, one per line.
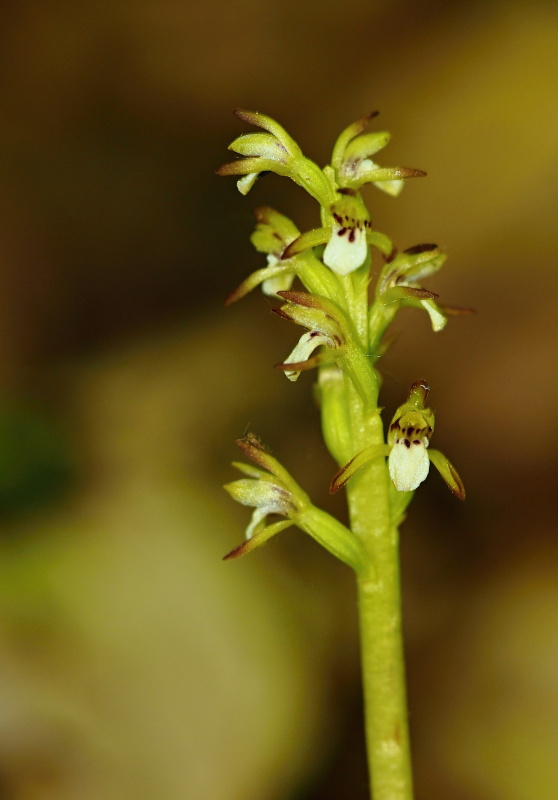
x=306, y=345
x=281, y=282
x=245, y=183
x=362, y=147
x=264, y=145
x=261, y=494
x=393, y=188
x=346, y=250
x=258, y=516
x=408, y=465
x=437, y=319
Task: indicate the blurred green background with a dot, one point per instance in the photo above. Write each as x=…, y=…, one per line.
x=134, y=664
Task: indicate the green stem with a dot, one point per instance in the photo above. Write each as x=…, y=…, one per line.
x=383, y=670
x=383, y=674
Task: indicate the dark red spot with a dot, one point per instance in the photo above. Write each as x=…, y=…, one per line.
x=352, y=235
x=420, y=248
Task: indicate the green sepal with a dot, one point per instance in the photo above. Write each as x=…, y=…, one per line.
x=420, y=262
x=397, y=294
x=260, y=145
x=273, y=232
x=315, y=276
x=270, y=125
x=357, y=462
x=258, y=539
x=346, y=136
x=379, y=240
x=261, y=492
x=448, y=473
x=307, y=240
x=252, y=472
x=389, y=179
x=255, y=279
x=252, y=446
x=316, y=313
x=245, y=166
x=366, y=145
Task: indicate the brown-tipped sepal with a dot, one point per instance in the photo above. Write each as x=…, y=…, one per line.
x=258, y=539
x=355, y=464
x=448, y=473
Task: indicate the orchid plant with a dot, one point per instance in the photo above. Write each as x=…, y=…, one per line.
x=345, y=334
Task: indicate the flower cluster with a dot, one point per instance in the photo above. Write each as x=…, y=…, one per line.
x=345, y=333
x=271, y=491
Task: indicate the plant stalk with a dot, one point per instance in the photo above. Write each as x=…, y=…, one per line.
x=379, y=597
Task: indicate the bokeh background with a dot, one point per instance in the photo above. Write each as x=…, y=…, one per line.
x=134, y=663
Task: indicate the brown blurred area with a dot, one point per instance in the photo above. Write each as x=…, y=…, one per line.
x=134, y=663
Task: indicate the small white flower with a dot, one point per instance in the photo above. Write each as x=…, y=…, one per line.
x=347, y=248
x=408, y=460
x=281, y=283
x=306, y=345
x=408, y=463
